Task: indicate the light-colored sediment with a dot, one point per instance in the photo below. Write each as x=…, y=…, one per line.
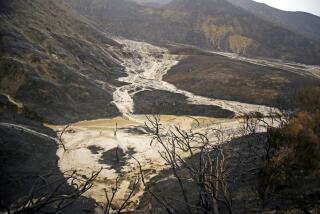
x=146, y=65
x=101, y=133
x=13, y=101
x=28, y=130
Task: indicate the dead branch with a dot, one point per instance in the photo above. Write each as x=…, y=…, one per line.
x=61, y=135
x=169, y=208
x=50, y=193
x=126, y=202
x=207, y=173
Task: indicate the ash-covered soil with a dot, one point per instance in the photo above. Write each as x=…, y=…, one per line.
x=25, y=157
x=220, y=77
x=244, y=159
x=166, y=103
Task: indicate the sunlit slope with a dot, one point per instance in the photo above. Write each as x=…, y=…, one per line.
x=214, y=24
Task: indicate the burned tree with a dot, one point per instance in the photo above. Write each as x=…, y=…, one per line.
x=60, y=137
x=111, y=206
x=51, y=194
x=193, y=160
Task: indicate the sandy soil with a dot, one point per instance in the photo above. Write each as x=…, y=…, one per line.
x=88, y=143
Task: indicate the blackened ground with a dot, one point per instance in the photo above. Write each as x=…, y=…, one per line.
x=219, y=77
x=245, y=157
x=163, y=102
x=24, y=157
x=53, y=71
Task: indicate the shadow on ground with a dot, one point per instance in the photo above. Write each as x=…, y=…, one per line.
x=116, y=158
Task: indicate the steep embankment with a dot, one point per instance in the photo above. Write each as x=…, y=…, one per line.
x=28, y=155
x=56, y=62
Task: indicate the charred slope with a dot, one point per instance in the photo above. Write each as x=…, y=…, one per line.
x=152, y=3
x=300, y=22
x=243, y=181
x=25, y=157
x=214, y=24
x=56, y=62
x=219, y=77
